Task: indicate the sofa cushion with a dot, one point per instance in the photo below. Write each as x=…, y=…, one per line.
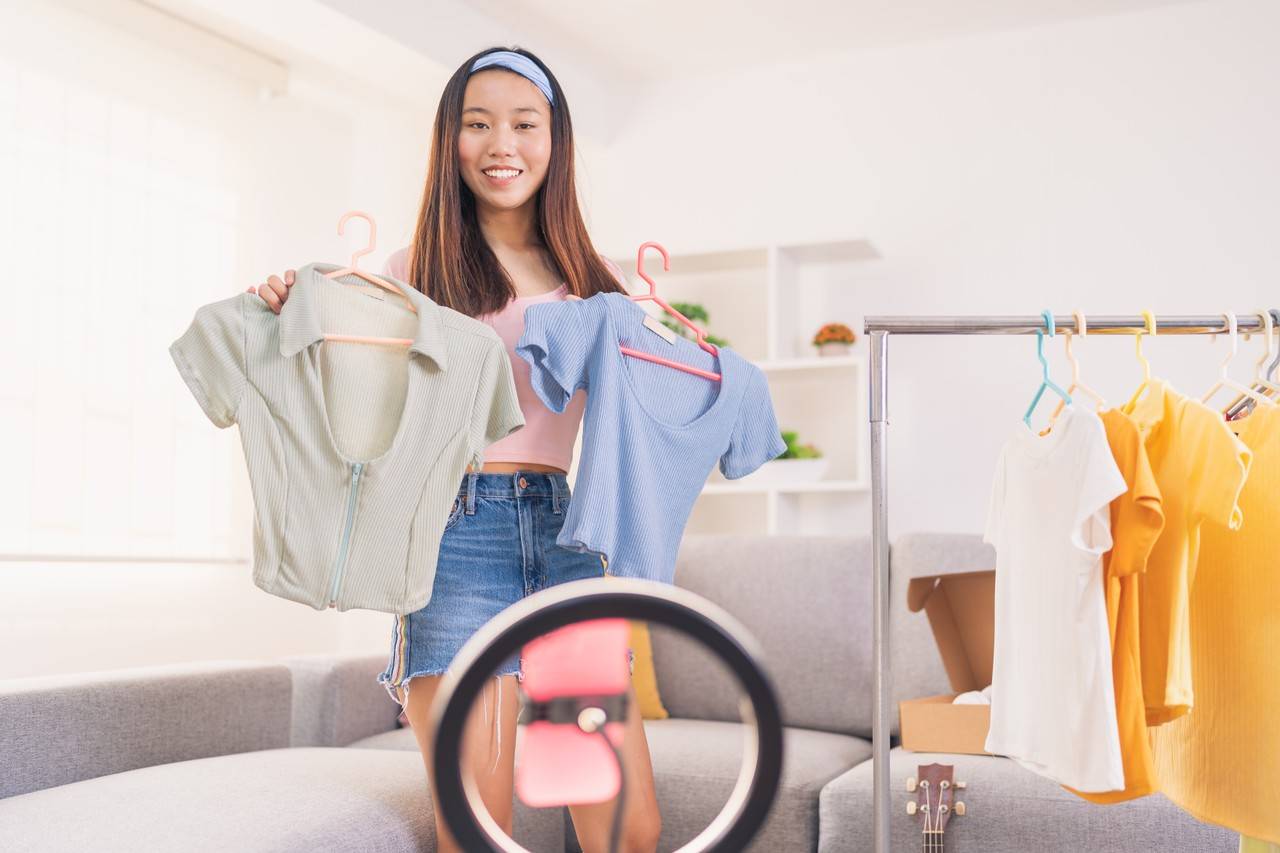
x=404, y=739
x=1009, y=810
x=696, y=764
x=806, y=600
x=337, y=700
x=394, y=739
x=60, y=729
x=302, y=799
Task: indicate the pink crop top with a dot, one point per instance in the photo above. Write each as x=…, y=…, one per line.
x=547, y=438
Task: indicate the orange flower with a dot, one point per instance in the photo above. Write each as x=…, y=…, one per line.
x=834, y=333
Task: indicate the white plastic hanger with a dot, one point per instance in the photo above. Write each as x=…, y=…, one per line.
x=1076, y=385
x=1261, y=377
x=1262, y=373
x=1225, y=381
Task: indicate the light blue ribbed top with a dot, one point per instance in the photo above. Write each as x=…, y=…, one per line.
x=651, y=433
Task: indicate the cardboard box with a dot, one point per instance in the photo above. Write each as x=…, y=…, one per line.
x=961, y=611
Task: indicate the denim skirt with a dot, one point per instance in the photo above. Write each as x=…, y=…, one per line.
x=499, y=545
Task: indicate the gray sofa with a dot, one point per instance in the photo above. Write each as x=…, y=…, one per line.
x=304, y=754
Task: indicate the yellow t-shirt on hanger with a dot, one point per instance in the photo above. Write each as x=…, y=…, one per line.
x=1200, y=467
x=1136, y=522
x=1221, y=762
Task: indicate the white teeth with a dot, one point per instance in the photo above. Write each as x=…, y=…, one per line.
x=502, y=173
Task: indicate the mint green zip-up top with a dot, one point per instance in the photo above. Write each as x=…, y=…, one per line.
x=354, y=451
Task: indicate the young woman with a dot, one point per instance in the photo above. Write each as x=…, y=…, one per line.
x=499, y=229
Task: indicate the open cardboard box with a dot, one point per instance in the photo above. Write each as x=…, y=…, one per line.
x=961, y=611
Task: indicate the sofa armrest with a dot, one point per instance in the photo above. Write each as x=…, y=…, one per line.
x=337, y=700
x=60, y=729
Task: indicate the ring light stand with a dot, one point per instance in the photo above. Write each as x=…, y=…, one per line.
x=613, y=598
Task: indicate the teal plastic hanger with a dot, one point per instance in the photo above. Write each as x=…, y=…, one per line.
x=1045, y=381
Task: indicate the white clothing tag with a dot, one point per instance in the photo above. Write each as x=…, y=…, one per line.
x=375, y=293
x=660, y=330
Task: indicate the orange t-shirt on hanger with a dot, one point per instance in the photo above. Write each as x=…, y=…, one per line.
x=1136, y=521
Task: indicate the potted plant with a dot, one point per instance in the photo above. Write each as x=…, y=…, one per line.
x=799, y=463
x=834, y=339
x=697, y=314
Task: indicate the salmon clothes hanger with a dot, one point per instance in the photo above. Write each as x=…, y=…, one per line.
x=1082, y=330
x=653, y=296
x=369, y=277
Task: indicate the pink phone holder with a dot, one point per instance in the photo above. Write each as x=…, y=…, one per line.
x=566, y=671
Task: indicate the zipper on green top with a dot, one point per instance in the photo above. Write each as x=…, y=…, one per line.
x=340, y=564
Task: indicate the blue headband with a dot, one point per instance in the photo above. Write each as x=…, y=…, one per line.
x=520, y=64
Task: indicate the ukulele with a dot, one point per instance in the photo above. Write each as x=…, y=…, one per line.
x=934, y=803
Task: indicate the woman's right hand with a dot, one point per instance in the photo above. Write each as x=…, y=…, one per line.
x=275, y=291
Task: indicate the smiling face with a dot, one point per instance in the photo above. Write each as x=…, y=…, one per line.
x=504, y=144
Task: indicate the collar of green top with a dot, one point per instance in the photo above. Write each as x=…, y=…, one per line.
x=300, y=321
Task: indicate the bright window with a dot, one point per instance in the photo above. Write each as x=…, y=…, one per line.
x=104, y=199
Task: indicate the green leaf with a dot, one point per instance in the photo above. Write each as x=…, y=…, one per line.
x=692, y=310
x=796, y=450
x=676, y=327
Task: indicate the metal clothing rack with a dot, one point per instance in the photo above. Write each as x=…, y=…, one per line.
x=879, y=329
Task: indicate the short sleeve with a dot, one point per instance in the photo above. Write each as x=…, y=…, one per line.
x=1219, y=469
x=210, y=358
x=496, y=412
x=556, y=343
x=1100, y=483
x=755, y=438
x=1137, y=518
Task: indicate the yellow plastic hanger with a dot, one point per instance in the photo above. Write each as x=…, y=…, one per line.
x=1150, y=320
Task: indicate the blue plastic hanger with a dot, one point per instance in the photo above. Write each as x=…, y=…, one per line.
x=1045, y=381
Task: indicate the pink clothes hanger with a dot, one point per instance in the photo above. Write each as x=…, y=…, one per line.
x=372, y=279
x=652, y=295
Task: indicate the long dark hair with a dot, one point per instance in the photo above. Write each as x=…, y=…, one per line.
x=449, y=259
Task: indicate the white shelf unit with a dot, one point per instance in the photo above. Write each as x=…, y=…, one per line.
x=768, y=301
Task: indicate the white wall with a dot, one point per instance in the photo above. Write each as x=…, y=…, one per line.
x=1109, y=165
x=329, y=145
x=1112, y=164
x=300, y=161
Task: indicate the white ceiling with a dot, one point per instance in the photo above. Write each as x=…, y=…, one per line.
x=657, y=39
x=608, y=53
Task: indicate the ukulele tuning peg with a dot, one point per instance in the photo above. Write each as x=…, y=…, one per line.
x=911, y=807
x=960, y=809
x=960, y=786
x=911, y=783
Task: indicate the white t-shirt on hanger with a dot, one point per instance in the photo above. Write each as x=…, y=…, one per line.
x=1053, y=700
